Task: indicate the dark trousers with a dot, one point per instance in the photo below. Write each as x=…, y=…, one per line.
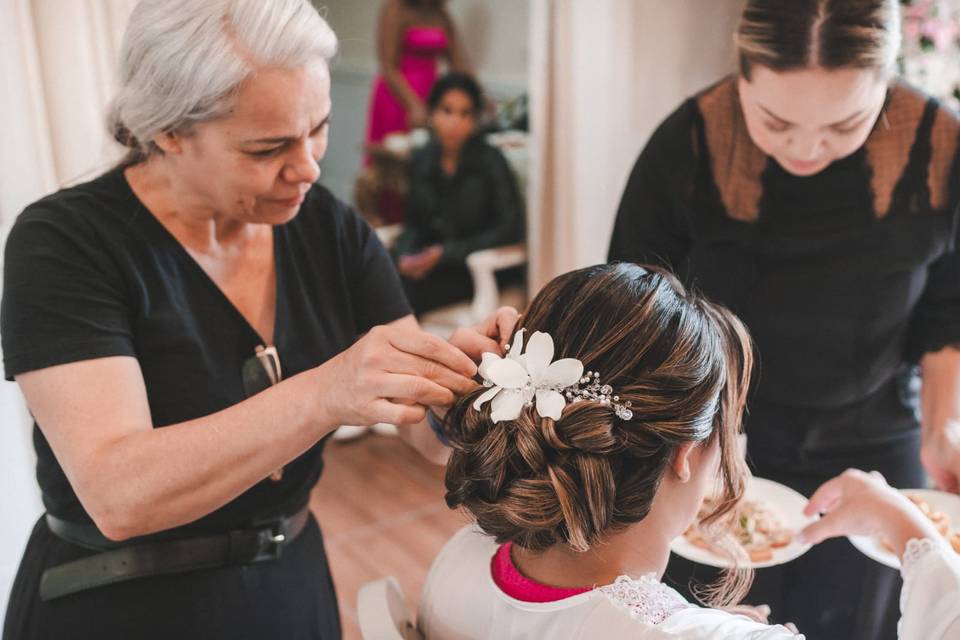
x=291, y=598
x=833, y=591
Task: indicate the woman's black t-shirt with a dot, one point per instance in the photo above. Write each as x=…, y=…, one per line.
x=91, y=273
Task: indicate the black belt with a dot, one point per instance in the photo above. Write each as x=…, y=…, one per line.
x=118, y=562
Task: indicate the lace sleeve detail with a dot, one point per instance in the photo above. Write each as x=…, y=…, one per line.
x=647, y=599
x=916, y=549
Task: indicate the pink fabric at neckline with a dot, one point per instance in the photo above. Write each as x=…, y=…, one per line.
x=516, y=585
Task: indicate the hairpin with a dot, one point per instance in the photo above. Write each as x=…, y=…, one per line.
x=522, y=379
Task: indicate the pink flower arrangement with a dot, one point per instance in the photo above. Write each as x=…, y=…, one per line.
x=930, y=57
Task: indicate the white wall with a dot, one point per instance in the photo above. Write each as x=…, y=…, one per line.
x=681, y=47
x=495, y=37
x=604, y=74
x=57, y=62
x=26, y=171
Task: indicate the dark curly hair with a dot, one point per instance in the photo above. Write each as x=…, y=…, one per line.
x=684, y=364
x=456, y=81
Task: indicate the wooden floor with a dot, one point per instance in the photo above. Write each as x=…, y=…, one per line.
x=381, y=509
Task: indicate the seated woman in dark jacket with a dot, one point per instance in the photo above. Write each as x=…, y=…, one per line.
x=463, y=198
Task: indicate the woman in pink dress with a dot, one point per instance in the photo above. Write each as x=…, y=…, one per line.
x=412, y=37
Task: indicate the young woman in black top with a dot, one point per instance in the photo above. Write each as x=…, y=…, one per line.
x=188, y=327
x=463, y=198
x=816, y=196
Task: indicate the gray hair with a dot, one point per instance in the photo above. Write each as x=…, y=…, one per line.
x=182, y=61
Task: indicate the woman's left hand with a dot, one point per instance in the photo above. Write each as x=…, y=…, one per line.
x=491, y=335
x=863, y=504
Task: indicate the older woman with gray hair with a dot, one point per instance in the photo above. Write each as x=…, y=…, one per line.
x=189, y=326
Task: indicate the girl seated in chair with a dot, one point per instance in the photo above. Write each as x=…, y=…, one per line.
x=463, y=198
x=593, y=445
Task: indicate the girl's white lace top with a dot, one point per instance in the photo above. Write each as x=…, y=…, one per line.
x=648, y=599
x=931, y=591
x=461, y=601
x=915, y=551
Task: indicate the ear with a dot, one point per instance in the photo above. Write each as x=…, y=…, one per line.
x=169, y=142
x=681, y=461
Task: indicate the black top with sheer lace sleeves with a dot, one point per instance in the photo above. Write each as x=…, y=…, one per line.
x=844, y=278
x=91, y=273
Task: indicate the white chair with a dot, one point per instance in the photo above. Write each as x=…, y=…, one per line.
x=484, y=266
x=382, y=612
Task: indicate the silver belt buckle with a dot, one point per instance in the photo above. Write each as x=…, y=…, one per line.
x=271, y=540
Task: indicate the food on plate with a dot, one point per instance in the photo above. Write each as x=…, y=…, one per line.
x=954, y=539
x=752, y=523
x=939, y=519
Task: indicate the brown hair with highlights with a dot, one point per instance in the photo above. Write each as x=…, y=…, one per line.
x=684, y=364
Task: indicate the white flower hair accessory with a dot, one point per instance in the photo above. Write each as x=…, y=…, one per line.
x=524, y=379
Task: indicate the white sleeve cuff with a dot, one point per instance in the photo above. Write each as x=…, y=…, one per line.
x=916, y=550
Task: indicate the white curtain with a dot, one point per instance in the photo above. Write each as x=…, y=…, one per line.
x=603, y=74
x=57, y=70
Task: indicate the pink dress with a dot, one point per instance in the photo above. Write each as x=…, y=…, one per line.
x=420, y=50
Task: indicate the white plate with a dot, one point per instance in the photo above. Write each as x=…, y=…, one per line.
x=938, y=501
x=783, y=501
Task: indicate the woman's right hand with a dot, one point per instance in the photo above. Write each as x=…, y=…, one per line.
x=417, y=115
x=940, y=455
x=391, y=375
x=859, y=503
x=757, y=613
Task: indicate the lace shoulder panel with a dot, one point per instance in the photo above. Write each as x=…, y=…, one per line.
x=895, y=137
x=647, y=599
x=736, y=162
x=945, y=139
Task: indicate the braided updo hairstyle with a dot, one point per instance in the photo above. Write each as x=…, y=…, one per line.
x=684, y=364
